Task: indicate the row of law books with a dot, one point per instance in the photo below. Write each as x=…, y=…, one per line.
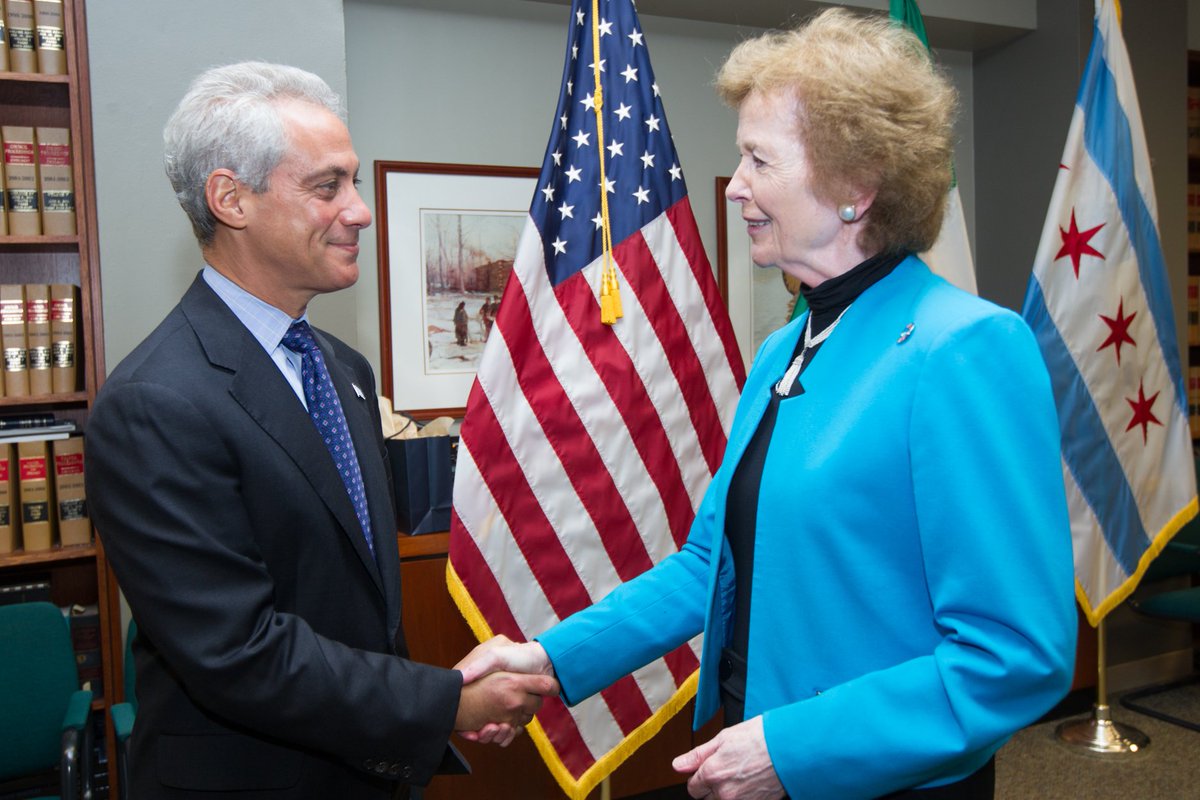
x=1193, y=395
x=42, y=498
x=33, y=37
x=39, y=189
x=84, y=622
x=1193, y=310
x=1193, y=121
x=39, y=338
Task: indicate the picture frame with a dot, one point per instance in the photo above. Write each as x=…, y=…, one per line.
x=447, y=235
x=759, y=299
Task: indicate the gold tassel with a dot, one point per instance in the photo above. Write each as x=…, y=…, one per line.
x=610, y=292
x=615, y=294
x=607, y=315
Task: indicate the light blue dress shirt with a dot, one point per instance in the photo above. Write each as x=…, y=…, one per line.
x=265, y=322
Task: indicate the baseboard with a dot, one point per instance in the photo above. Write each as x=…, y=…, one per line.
x=1161, y=668
x=1125, y=677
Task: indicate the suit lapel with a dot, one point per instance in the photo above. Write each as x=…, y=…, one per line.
x=262, y=392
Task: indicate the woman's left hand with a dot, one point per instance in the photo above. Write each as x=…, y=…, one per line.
x=733, y=764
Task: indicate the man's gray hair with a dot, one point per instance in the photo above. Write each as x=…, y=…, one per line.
x=229, y=119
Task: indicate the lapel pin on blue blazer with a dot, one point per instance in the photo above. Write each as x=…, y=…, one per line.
x=904, y=334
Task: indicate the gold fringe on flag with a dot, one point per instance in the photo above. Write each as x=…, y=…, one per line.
x=574, y=788
x=610, y=290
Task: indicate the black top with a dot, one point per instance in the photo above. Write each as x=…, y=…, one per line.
x=826, y=302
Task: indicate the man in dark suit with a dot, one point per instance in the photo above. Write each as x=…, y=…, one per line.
x=238, y=483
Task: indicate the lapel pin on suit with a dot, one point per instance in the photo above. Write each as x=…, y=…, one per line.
x=904, y=334
x=358, y=391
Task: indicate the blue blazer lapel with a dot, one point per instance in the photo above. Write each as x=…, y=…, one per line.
x=769, y=365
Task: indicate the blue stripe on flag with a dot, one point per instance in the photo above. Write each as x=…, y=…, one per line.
x=1086, y=447
x=1110, y=143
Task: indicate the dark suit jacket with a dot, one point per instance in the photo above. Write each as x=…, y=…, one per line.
x=270, y=658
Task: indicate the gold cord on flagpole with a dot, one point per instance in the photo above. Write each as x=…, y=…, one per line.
x=610, y=292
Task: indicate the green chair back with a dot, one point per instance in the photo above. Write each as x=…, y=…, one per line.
x=37, y=678
x=129, y=671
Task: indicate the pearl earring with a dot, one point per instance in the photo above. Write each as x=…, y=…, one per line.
x=847, y=212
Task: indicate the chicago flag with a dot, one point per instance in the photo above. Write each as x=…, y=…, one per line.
x=1100, y=305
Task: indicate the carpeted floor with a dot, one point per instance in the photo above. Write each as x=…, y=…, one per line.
x=1034, y=765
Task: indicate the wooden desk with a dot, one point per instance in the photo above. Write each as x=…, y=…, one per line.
x=437, y=634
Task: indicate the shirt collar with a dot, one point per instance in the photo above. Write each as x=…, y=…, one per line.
x=265, y=322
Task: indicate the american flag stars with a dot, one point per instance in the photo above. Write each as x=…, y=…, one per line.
x=640, y=163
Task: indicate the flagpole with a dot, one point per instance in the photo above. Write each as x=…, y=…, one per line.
x=605, y=789
x=1098, y=733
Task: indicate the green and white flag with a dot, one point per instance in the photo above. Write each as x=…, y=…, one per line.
x=950, y=255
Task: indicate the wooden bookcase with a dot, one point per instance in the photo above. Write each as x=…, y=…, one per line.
x=77, y=574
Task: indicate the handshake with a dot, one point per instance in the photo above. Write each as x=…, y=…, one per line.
x=503, y=686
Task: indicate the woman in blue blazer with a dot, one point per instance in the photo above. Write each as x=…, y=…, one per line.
x=882, y=564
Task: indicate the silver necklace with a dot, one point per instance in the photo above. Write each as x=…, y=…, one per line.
x=789, y=378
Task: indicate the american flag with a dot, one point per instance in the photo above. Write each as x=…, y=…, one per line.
x=586, y=447
x=1099, y=303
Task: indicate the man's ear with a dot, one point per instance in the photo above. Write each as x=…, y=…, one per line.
x=224, y=195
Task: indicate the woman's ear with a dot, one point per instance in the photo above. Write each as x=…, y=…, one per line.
x=224, y=195
x=863, y=202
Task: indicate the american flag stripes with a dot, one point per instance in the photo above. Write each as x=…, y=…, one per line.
x=1099, y=304
x=586, y=447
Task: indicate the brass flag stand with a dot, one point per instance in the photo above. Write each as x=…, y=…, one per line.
x=1098, y=733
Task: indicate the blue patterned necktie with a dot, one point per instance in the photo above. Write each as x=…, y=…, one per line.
x=326, y=412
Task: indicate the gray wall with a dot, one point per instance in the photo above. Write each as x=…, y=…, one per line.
x=474, y=81
x=467, y=81
x=434, y=81
x=144, y=53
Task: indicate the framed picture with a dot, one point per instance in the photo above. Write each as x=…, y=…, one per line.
x=759, y=299
x=447, y=235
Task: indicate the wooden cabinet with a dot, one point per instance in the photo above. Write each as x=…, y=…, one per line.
x=437, y=634
x=77, y=574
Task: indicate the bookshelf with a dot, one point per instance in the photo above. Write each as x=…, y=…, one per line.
x=79, y=573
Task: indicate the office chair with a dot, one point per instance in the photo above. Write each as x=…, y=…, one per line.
x=123, y=714
x=1180, y=558
x=44, y=714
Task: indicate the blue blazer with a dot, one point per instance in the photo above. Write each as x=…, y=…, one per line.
x=912, y=600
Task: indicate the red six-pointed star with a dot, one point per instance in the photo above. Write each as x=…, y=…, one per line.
x=1142, y=413
x=1118, y=330
x=1075, y=243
